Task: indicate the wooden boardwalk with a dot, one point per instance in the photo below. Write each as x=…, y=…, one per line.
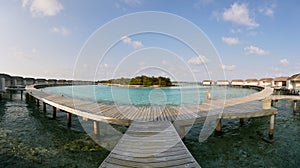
x=151, y=139
x=125, y=114
x=150, y=144
x=285, y=97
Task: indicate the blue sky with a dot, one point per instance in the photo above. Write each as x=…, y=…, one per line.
x=254, y=39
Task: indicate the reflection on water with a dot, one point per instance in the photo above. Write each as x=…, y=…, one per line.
x=30, y=138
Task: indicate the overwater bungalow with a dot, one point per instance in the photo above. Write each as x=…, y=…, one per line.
x=251, y=82
x=17, y=81
x=61, y=81
x=237, y=82
x=52, y=81
x=7, y=79
x=207, y=82
x=294, y=82
x=266, y=82
x=280, y=82
x=223, y=82
x=29, y=81
x=41, y=81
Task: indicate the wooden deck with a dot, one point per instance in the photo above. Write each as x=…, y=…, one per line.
x=150, y=144
x=151, y=139
x=285, y=97
x=125, y=114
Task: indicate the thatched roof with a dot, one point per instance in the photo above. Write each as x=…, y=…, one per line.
x=6, y=76
x=279, y=79
x=251, y=80
x=266, y=79
x=237, y=80
x=295, y=77
x=17, y=78
x=207, y=81
x=222, y=81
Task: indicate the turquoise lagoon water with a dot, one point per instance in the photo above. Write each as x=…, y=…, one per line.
x=148, y=96
x=30, y=138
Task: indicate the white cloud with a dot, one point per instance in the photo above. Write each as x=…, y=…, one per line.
x=137, y=44
x=236, y=31
x=22, y=54
x=43, y=7
x=126, y=39
x=239, y=14
x=230, y=40
x=284, y=61
x=61, y=30
x=253, y=50
x=132, y=3
x=229, y=67
x=134, y=44
x=198, y=60
x=268, y=10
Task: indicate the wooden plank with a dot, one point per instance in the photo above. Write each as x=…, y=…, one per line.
x=149, y=150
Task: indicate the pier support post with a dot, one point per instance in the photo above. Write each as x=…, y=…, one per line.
x=21, y=94
x=271, y=130
x=10, y=94
x=181, y=131
x=37, y=102
x=69, y=119
x=219, y=127
x=242, y=122
x=2, y=87
x=295, y=106
x=44, y=106
x=275, y=103
x=96, y=128
x=53, y=112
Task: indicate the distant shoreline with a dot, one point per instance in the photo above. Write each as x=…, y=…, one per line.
x=135, y=86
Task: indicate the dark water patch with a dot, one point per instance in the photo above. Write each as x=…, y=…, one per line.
x=249, y=145
x=29, y=138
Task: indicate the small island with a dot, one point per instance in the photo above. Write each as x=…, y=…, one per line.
x=139, y=81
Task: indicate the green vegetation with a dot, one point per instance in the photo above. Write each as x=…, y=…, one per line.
x=141, y=80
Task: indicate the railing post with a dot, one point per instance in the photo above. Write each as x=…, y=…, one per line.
x=271, y=130
x=69, y=119
x=295, y=106
x=219, y=127
x=53, y=112
x=96, y=128
x=44, y=106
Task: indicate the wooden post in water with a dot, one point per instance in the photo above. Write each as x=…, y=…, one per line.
x=2, y=87
x=21, y=94
x=53, y=112
x=96, y=128
x=44, y=106
x=10, y=94
x=69, y=119
x=242, y=121
x=219, y=127
x=275, y=103
x=37, y=102
x=271, y=131
x=295, y=106
x=181, y=131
